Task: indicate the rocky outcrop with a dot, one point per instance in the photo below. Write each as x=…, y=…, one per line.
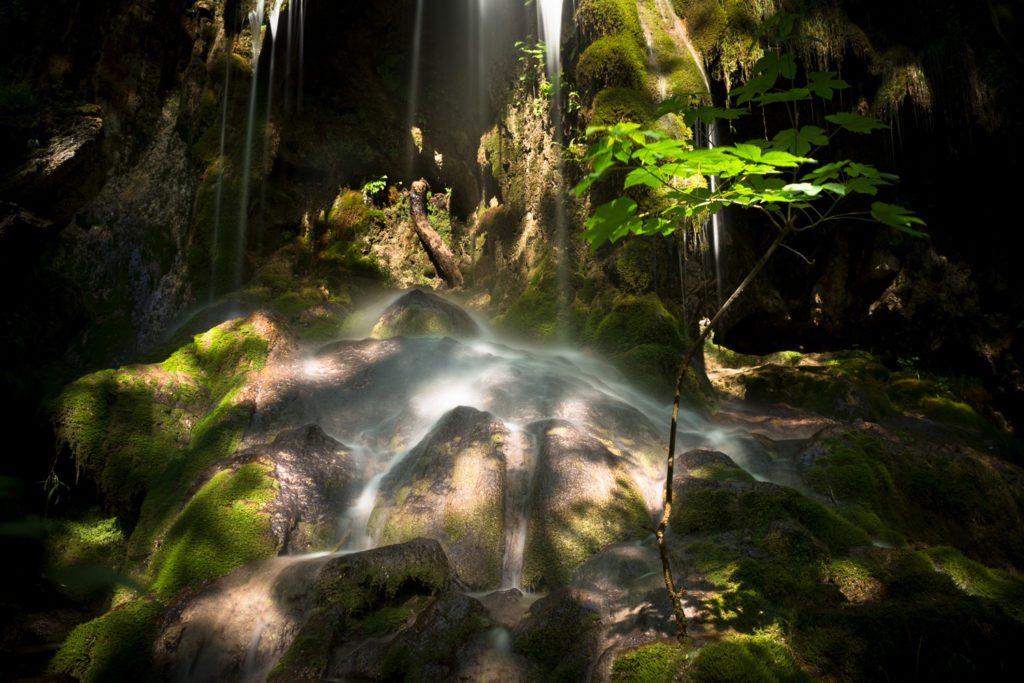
x=418, y=313
x=451, y=487
x=316, y=477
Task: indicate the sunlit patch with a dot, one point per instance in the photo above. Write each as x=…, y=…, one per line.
x=443, y=394
x=313, y=368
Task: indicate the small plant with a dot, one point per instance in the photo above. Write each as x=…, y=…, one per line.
x=373, y=189
x=909, y=366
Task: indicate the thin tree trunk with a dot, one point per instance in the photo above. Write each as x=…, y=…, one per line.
x=437, y=250
x=676, y=594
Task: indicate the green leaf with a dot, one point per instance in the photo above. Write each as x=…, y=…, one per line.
x=612, y=220
x=822, y=83
x=645, y=175
x=755, y=86
x=799, y=142
x=804, y=188
x=787, y=66
x=707, y=115
x=792, y=95
x=897, y=217
x=863, y=185
x=855, y=122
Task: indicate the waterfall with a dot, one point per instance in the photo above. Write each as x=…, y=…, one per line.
x=219, y=193
x=550, y=20
x=256, y=28
x=414, y=91
x=292, y=87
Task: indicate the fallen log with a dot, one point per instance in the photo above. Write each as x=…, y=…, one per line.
x=439, y=253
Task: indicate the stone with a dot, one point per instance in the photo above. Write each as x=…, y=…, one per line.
x=316, y=475
x=418, y=313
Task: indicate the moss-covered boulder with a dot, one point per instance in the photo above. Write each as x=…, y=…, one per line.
x=615, y=61
x=583, y=498
x=451, y=487
x=559, y=636
x=443, y=639
x=316, y=477
x=418, y=313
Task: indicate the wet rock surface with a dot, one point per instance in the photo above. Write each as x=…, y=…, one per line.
x=418, y=313
x=315, y=474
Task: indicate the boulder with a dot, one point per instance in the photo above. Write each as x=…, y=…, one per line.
x=317, y=480
x=451, y=487
x=424, y=314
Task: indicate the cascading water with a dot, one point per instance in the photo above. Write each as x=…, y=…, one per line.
x=711, y=135
x=414, y=90
x=550, y=21
x=218, y=200
x=292, y=88
x=272, y=23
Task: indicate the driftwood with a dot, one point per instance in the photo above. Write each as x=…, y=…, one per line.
x=439, y=253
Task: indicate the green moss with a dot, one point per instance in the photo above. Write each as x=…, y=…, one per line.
x=713, y=508
x=308, y=654
x=221, y=528
x=637, y=321
x=720, y=471
x=723, y=31
x=619, y=105
x=854, y=469
x=599, y=18
x=362, y=586
x=650, y=664
x=750, y=658
x=557, y=644
x=611, y=62
x=977, y=579
x=950, y=411
x=291, y=304
x=535, y=314
x=565, y=538
x=114, y=647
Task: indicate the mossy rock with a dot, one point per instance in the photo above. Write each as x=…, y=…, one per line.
x=124, y=427
x=749, y=658
x=621, y=105
x=637, y=321
x=558, y=635
x=974, y=578
x=424, y=314
x=705, y=506
x=650, y=664
x=116, y=646
x=654, y=367
x=224, y=526
x=451, y=487
x=611, y=62
x=582, y=500
x=600, y=18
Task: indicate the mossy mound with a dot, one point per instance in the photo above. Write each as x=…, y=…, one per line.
x=614, y=61
x=620, y=105
x=424, y=314
x=557, y=635
x=112, y=647
x=747, y=658
x=706, y=506
x=123, y=427
x=224, y=526
x=600, y=18
x=650, y=664
x=366, y=594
